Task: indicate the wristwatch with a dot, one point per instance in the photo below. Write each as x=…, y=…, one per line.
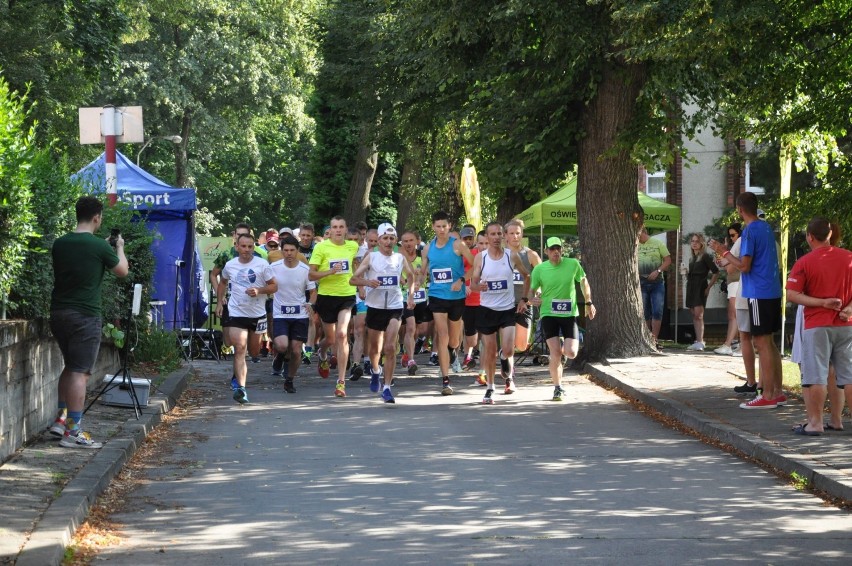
x=524, y=299
x=660, y=271
x=588, y=303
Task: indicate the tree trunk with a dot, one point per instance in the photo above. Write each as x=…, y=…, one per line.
x=181, y=175
x=411, y=177
x=358, y=199
x=514, y=202
x=451, y=202
x=610, y=217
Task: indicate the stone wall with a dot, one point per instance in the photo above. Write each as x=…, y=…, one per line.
x=30, y=364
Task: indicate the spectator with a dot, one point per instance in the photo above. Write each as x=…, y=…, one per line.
x=701, y=265
x=654, y=260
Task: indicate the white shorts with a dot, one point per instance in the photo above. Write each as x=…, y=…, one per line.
x=732, y=289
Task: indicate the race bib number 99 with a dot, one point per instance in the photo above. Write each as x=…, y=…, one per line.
x=343, y=263
x=560, y=306
x=291, y=310
x=442, y=276
x=388, y=281
x=498, y=285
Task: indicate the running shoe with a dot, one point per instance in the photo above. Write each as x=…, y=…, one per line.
x=504, y=368
x=480, y=379
x=469, y=363
x=367, y=365
x=696, y=347
x=558, y=393
x=418, y=346
x=333, y=362
x=412, y=367
x=255, y=360
x=404, y=361
x=288, y=385
x=724, y=350
x=340, y=389
x=387, y=396
x=374, y=381
x=356, y=373
x=323, y=368
x=746, y=388
x=510, y=387
x=487, y=400
x=240, y=395
x=456, y=366
x=760, y=402
x=433, y=359
x=57, y=429
x=234, y=383
x=306, y=358
x=445, y=387
x=77, y=438
x=781, y=400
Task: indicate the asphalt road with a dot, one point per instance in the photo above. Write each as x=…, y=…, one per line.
x=310, y=479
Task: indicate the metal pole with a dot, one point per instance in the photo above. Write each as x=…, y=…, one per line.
x=108, y=131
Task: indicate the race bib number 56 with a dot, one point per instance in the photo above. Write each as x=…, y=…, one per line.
x=388, y=281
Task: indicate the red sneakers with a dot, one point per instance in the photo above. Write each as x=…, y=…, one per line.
x=760, y=402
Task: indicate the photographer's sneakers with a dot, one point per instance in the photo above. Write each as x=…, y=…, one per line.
x=77, y=438
x=57, y=429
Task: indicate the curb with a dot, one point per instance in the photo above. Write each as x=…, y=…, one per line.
x=819, y=476
x=55, y=529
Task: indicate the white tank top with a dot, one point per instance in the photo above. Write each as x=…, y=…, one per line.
x=497, y=274
x=388, y=270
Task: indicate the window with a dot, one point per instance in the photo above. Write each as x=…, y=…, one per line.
x=748, y=186
x=656, y=185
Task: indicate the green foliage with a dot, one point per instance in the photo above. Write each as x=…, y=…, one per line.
x=53, y=198
x=117, y=293
x=16, y=217
x=157, y=350
x=114, y=333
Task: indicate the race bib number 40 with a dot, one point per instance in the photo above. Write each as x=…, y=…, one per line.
x=561, y=306
x=497, y=285
x=343, y=263
x=388, y=281
x=442, y=276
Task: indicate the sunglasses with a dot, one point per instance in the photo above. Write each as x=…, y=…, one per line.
x=272, y=246
x=733, y=234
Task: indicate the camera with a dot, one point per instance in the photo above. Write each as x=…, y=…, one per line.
x=114, y=234
x=180, y=262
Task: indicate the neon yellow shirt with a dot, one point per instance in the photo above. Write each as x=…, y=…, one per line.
x=327, y=252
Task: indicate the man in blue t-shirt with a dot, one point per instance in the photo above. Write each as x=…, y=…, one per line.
x=760, y=283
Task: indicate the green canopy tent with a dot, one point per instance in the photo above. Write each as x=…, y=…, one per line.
x=557, y=214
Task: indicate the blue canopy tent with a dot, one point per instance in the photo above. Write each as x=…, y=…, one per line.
x=169, y=213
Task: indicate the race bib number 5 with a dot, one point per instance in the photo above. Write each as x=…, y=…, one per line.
x=388, y=281
x=560, y=306
x=343, y=263
x=442, y=276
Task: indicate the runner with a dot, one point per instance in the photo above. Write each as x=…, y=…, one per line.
x=382, y=271
x=493, y=276
x=529, y=258
x=416, y=319
x=291, y=314
x=555, y=281
x=471, y=306
x=249, y=279
x=360, y=361
x=442, y=263
x=331, y=265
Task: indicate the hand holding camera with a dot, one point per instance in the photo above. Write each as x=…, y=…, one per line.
x=115, y=238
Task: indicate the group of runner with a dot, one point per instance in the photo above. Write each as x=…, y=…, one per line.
x=480, y=284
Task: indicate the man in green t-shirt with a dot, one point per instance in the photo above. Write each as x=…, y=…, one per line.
x=553, y=282
x=80, y=260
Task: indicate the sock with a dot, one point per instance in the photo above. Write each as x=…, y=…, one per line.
x=63, y=406
x=387, y=387
x=74, y=419
x=376, y=370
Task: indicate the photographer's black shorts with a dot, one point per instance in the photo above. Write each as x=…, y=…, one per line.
x=79, y=338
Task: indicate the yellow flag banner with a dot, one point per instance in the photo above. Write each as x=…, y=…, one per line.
x=786, y=162
x=210, y=248
x=469, y=189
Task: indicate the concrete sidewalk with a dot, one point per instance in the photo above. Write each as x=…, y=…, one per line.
x=40, y=514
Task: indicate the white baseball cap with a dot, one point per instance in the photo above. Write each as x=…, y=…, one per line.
x=386, y=228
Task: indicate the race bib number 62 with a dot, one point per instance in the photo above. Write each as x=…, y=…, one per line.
x=560, y=306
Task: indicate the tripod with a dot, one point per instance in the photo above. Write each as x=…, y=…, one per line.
x=126, y=380
x=196, y=344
